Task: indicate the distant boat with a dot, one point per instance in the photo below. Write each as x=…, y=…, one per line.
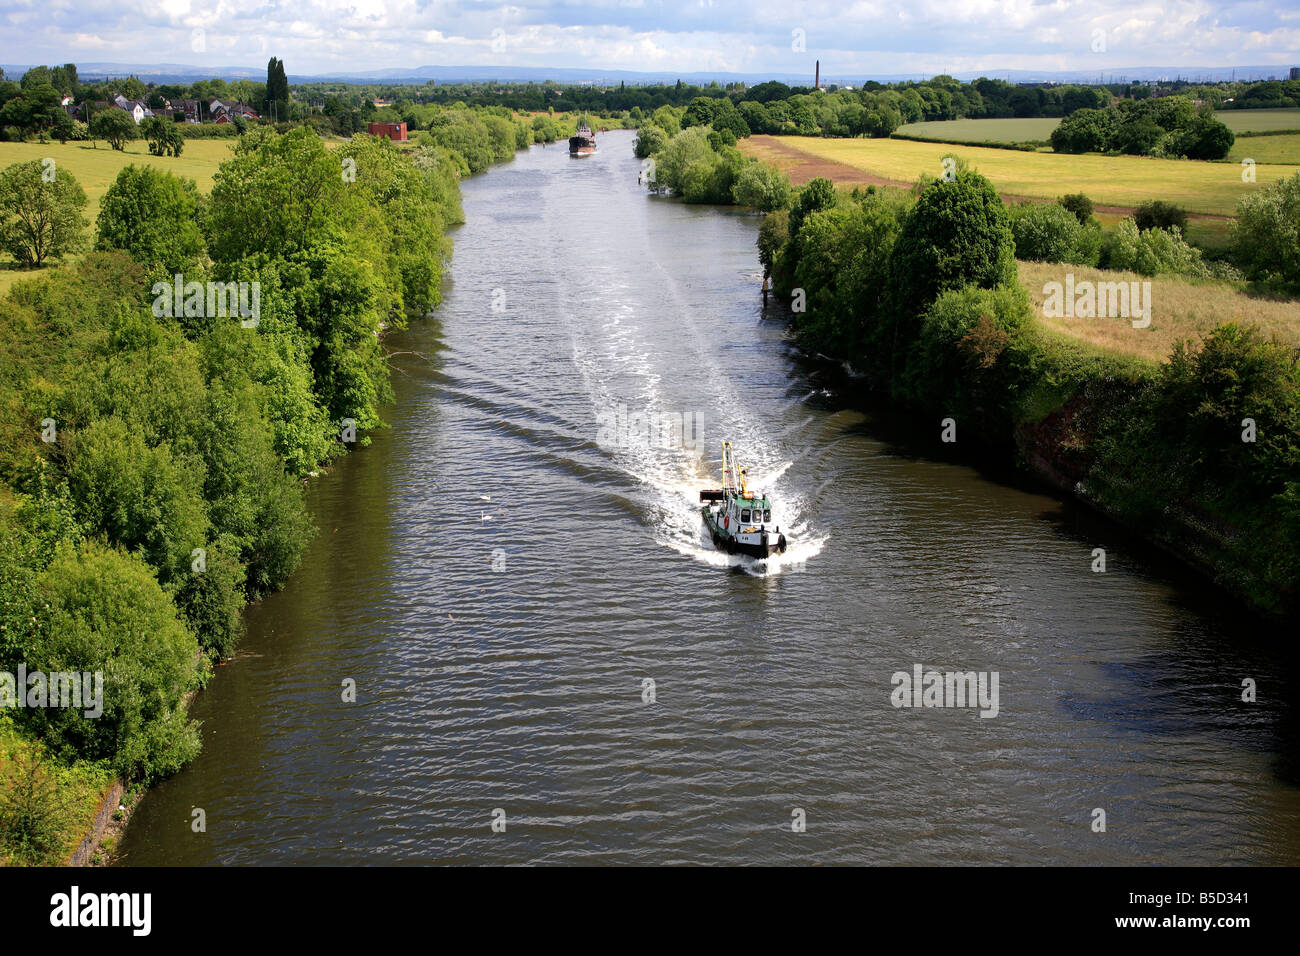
x=582, y=142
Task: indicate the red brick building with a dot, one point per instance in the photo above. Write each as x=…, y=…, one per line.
x=394, y=131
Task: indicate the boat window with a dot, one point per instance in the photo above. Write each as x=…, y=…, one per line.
x=744, y=515
x=767, y=514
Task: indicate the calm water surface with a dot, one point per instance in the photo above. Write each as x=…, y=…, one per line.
x=574, y=295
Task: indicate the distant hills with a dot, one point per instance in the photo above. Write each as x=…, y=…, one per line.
x=181, y=73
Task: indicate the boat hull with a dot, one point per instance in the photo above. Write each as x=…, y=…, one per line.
x=767, y=545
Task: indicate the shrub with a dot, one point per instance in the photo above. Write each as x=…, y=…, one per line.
x=1044, y=232
x=1152, y=252
x=104, y=611
x=1080, y=205
x=649, y=140
x=761, y=186
x=31, y=810
x=1158, y=214
x=138, y=496
x=1266, y=235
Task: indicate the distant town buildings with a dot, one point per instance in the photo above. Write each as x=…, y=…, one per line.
x=1295, y=72
x=193, y=111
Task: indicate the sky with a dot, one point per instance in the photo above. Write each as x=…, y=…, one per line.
x=761, y=36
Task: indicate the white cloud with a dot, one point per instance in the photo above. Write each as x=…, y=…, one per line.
x=848, y=36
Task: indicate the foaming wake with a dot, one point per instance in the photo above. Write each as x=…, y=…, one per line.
x=619, y=361
x=679, y=525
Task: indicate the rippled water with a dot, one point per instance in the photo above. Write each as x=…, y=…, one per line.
x=576, y=295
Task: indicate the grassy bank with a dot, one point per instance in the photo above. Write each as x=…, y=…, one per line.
x=1182, y=309
x=52, y=801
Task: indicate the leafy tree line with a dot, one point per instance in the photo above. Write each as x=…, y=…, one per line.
x=919, y=292
x=152, y=458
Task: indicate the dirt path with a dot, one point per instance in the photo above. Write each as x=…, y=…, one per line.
x=802, y=167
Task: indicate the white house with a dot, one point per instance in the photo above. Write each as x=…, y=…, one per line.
x=139, y=112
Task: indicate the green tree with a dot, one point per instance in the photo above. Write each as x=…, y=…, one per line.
x=1084, y=131
x=34, y=110
x=104, y=612
x=40, y=212
x=817, y=194
x=649, y=140
x=138, y=496
x=1266, y=235
x=114, y=126
x=763, y=187
x=150, y=214
x=957, y=233
x=277, y=91
x=36, y=76
x=1203, y=138
x=1079, y=205
x=1158, y=214
x=1044, y=232
x=689, y=146
x=164, y=137
x=412, y=223
x=279, y=192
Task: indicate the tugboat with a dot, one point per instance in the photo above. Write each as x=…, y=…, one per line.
x=583, y=142
x=739, y=520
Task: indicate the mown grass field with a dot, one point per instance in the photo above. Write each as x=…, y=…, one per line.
x=1209, y=188
x=984, y=130
x=96, y=169
x=1267, y=149
x=1036, y=129
x=1258, y=121
x=1181, y=309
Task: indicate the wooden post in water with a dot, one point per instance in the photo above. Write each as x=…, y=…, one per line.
x=765, y=288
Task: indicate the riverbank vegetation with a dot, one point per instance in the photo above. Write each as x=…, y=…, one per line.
x=155, y=442
x=1177, y=412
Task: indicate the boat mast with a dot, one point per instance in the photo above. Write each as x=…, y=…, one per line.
x=728, y=483
x=733, y=478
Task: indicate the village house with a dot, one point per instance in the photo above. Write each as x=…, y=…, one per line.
x=188, y=108
x=226, y=112
x=139, y=112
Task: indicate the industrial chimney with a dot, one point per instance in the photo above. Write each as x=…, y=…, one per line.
x=817, y=76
